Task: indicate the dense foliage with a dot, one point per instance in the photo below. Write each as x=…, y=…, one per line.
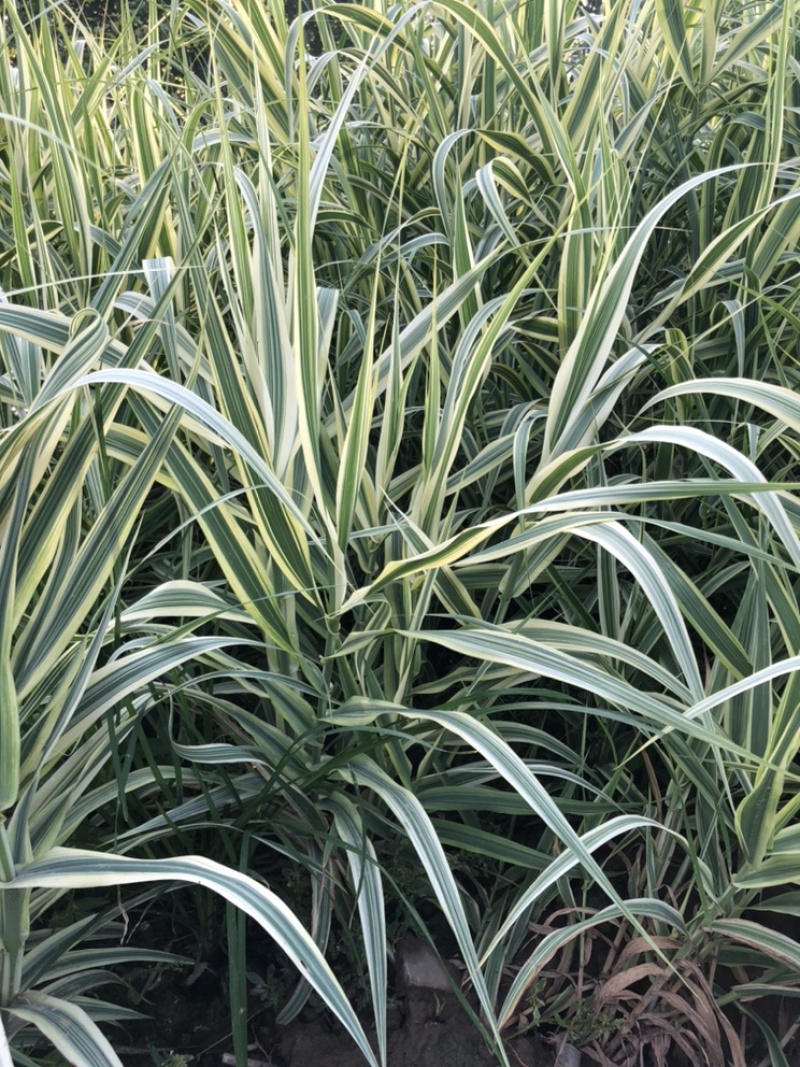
x=398, y=501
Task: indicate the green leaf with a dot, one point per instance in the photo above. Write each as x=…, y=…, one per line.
x=775, y=946
x=63, y=868
x=581, y=367
x=71, y=1030
x=428, y=847
x=671, y=17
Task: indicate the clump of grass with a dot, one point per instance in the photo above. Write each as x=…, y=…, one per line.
x=398, y=446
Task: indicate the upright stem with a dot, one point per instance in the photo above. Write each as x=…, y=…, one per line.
x=6, y=855
x=14, y=905
x=6, y=964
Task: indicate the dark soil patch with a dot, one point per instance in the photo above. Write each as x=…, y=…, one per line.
x=430, y=1030
x=191, y=1025
x=428, y=1025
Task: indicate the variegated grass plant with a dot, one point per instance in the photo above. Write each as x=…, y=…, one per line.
x=405, y=435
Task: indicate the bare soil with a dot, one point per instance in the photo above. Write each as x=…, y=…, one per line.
x=429, y=1028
